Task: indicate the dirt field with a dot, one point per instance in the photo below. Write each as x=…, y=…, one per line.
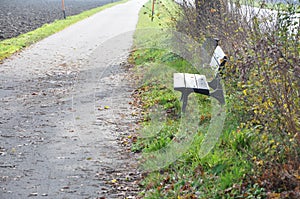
x=19, y=16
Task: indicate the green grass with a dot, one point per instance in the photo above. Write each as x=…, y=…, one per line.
x=222, y=172
x=10, y=46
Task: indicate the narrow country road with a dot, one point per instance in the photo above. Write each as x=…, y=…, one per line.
x=64, y=104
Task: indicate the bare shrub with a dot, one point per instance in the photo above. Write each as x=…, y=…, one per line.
x=263, y=75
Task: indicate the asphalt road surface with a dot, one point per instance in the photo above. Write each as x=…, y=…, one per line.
x=64, y=105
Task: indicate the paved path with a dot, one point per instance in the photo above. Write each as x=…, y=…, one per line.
x=64, y=103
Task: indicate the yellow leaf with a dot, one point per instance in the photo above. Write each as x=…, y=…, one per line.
x=114, y=181
x=274, y=195
x=259, y=163
x=245, y=92
x=297, y=176
x=213, y=10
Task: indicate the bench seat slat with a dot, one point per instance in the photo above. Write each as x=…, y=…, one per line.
x=202, y=84
x=179, y=80
x=186, y=82
x=190, y=81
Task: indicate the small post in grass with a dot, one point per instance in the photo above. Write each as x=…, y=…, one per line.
x=152, y=15
x=63, y=8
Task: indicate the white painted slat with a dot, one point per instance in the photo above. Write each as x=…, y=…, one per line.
x=217, y=57
x=190, y=81
x=201, y=82
x=179, y=80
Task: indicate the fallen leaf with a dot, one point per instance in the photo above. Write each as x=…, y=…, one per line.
x=114, y=181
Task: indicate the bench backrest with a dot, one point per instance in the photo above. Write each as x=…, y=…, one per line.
x=218, y=59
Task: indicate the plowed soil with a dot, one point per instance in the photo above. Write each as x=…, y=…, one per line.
x=19, y=16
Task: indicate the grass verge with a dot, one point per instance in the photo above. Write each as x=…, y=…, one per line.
x=10, y=46
x=223, y=173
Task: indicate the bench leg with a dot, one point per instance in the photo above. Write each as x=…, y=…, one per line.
x=218, y=92
x=184, y=99
x=215, y=83
x=219, y=95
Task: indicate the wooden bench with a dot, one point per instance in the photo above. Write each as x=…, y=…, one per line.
x=194, y=83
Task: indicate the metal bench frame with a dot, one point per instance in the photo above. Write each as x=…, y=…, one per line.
x=194, y=83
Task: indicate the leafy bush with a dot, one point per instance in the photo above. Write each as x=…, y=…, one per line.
x=262, y=77
x=258, y=155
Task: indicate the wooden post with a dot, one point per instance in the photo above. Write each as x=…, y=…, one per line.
x=63, y=8
x=152, y=17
